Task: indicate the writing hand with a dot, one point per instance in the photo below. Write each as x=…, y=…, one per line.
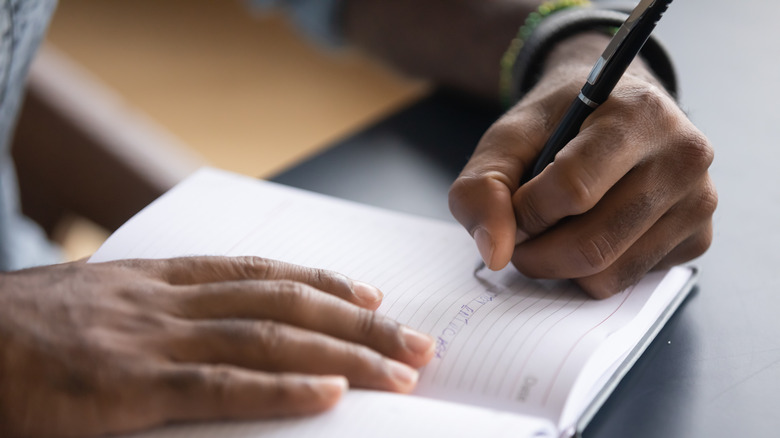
x=92, y=349
x=629, y=193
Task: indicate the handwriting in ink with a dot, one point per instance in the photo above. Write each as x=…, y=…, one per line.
x=525, y=390
x=460, y=320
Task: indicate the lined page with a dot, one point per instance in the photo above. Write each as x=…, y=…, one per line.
x=503, y=341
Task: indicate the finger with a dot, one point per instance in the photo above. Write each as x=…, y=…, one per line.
x=199, y=270
x=275, y=347
x=681, y=235
x=702, y=205
x=481, y=197
x=202, y=392
x=575, y=182
x=587, y=244
x=689, y=249
x=584, y=245
x=303, y=306
x=636, y=125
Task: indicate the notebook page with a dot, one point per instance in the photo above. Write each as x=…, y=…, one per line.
x=526, y=348
x=503, y=341
x=377, y=415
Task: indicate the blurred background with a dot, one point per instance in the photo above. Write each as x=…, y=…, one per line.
x=238, y=89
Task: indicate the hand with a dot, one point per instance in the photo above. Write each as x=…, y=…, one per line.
x=93, y=349
x=629, y=193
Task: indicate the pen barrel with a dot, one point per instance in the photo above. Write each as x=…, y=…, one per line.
x=625, y=53
x=567, y=129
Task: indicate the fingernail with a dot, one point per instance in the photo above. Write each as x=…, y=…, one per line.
x=366, y=292
x=416, y=342
x=404, y=375
x=336, y=384
x=330, y=388
x=484, y=244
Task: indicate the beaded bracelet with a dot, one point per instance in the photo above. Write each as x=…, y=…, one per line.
x=506, y=79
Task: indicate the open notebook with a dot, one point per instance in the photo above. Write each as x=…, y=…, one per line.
x=514, y=357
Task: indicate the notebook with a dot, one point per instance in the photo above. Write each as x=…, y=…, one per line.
x=514, y=357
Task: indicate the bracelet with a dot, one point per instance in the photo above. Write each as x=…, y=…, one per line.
x=507, y=81
x=528, y=64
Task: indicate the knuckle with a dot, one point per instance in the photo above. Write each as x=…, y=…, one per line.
x=707, y=201
x=186, y=381
x=596, y=253
x=219, y=382
x=289, y=294
x=639, y=108
x=694, y=151
x=331, y=280
x=467, y=185
x=637, y=100
x=281, y=391
x=256, y=267
x=321, y=276
x=575, y=187
x=700, y=205
x=366, y=323
x=529, y=216
x=700, y=243
x=379, y=332
x=386, y=331
x=272, y=338
x=652, y=96
x=213, y=381
x=219, y=387
x=648, y=101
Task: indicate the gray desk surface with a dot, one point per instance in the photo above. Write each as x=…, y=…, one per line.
x=714, y=371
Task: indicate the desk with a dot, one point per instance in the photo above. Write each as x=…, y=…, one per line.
x=714, y=371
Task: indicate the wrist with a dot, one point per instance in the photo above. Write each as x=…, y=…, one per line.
x=579, y=26
x=576, y=55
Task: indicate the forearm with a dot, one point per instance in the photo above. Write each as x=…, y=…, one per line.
x=459, y=43
x=456, y=43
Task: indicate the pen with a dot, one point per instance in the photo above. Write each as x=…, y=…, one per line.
x=609, y=68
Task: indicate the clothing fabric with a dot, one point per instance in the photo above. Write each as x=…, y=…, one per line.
x=23, y=24
x=317, y=19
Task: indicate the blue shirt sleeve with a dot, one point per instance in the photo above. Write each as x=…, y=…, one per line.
x=317, y=19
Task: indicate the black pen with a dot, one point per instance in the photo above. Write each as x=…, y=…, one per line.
x=609, y=68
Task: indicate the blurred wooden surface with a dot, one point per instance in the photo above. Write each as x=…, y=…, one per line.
x=243, y=90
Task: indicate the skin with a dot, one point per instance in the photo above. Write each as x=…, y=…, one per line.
x=630, y=193
x=107, y=348
x=455, y=43
x=115, y=347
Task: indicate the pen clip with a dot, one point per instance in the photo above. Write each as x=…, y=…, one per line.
x=617, y=40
